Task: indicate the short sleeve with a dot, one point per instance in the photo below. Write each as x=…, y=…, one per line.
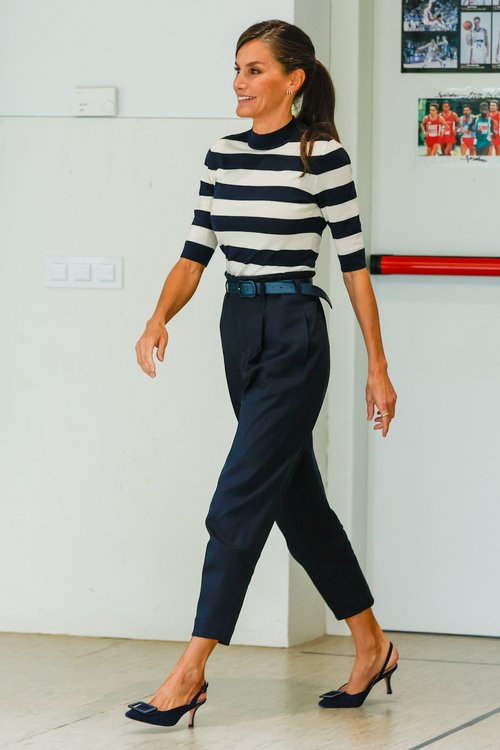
x=336, y=197
x=201, y=240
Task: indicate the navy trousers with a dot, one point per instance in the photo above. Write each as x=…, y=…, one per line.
x=277, y=363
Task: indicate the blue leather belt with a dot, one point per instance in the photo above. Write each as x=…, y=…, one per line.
x=250, y=288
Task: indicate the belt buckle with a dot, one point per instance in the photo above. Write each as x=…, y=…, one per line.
x=252, y=286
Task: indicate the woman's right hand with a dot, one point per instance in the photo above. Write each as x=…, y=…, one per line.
x=155, y=335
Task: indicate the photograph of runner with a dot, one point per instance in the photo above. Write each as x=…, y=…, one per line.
x=461, y=128
x=432, y=127
x=483, y=129
x=494, y=115
x=466, y=129
x=449, y=135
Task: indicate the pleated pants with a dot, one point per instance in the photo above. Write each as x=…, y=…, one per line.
x=277, y=363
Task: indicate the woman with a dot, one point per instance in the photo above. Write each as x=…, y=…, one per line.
x=266, y=201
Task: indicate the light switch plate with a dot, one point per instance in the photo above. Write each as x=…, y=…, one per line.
x=83, y=272
x=99, y=101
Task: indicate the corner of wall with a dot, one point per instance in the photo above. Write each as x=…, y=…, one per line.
x=351, y=66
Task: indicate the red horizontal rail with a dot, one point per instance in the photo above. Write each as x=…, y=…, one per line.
x=434, y=265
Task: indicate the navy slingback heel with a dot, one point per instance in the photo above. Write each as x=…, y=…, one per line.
x=340, y=699
x=141, y=711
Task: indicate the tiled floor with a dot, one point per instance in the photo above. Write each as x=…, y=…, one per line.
x=59, y=692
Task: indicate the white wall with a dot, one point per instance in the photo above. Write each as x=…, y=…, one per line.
x=106, y=475
x=418, y=209
x=167, y=59
x=434, y=484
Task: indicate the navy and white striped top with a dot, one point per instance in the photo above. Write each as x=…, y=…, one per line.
x=265, y=217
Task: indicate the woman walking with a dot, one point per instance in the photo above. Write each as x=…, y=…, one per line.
x=266, y=196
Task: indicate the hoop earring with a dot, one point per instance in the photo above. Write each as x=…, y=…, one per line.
x=289, y=92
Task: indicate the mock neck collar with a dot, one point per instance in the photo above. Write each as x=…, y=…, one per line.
x=273, y=139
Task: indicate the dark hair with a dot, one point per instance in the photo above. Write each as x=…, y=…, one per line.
x=293, y=49
x=434, y=104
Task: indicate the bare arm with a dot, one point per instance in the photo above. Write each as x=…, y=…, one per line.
x=180, y=285
x=379, y=390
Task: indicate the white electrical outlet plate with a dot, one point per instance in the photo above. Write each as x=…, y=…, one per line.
x=100, y=101
x=83, y=272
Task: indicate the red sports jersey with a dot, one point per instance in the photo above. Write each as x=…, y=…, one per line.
x=450, y=118
x=495, y=116
x=432, y=126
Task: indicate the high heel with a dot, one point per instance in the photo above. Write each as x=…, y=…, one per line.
x=340, y=699
x=387, y=677
x=192, y=714
x=141, y=711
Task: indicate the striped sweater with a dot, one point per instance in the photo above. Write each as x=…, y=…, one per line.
x=267, y=219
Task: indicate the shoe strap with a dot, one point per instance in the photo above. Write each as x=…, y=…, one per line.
x=386, y=662
x=202, y=690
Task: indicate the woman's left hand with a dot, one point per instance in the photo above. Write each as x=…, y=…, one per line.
x=380, y=395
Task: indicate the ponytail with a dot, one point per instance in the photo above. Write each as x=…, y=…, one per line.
x=317, y=110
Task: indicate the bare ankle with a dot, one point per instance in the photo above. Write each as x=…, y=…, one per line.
x=371, y=644
x=189, y=672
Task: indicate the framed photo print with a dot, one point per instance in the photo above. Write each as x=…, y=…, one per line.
x=450, y=36
x=461, y=125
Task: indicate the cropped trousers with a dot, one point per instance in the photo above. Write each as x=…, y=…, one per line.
x=277, y=363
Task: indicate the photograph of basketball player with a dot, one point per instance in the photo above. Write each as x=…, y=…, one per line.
x=495, y=41
x=431, y=50
x=448, y=137
x=432, y=127
x=427, y=18
x=440, y=15
x=466, y=124
x=483, y=130
x=424, y=51
x=476, y=31
x=494, y=115
x=445, y=52
x=436, y=15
